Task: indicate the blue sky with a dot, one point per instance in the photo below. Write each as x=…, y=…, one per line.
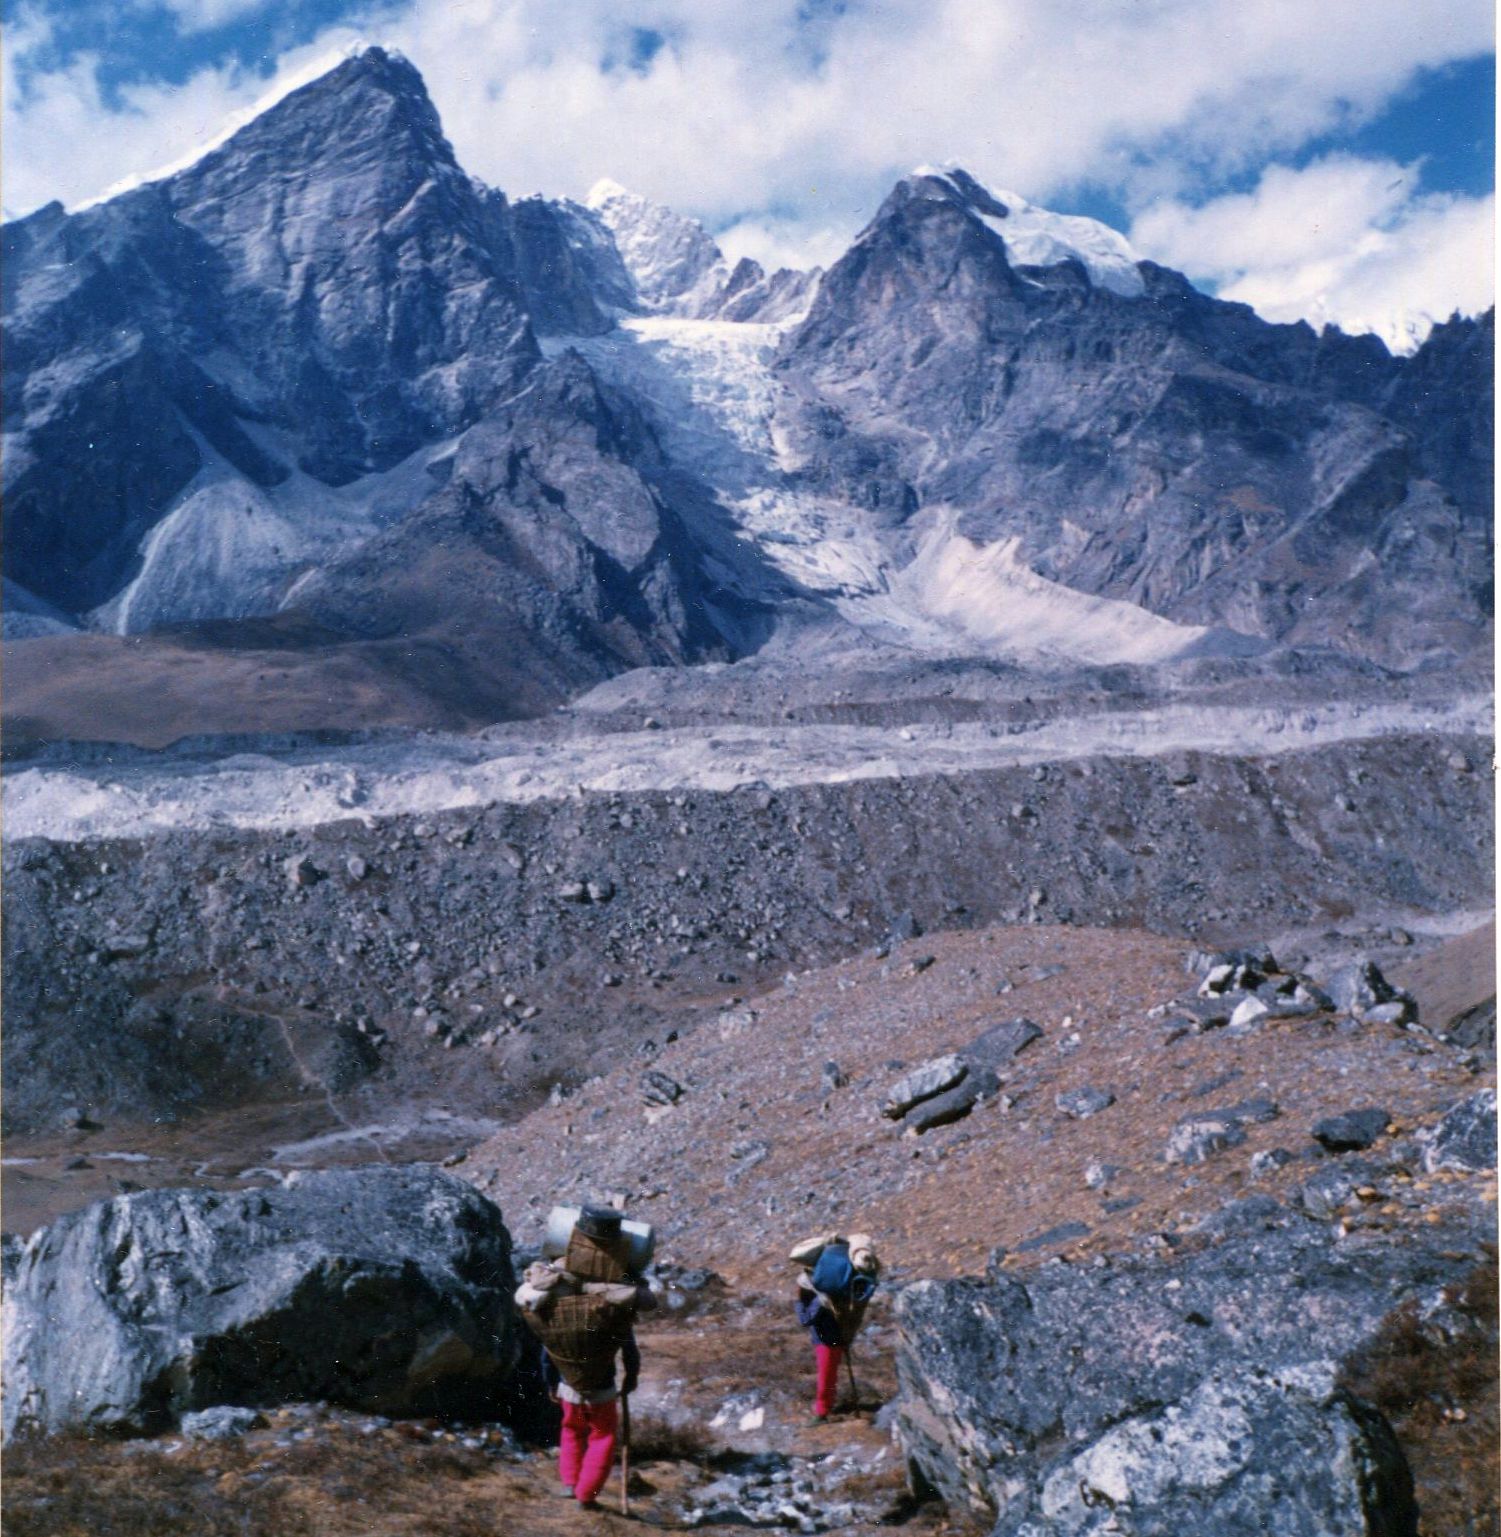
x=1333, y=160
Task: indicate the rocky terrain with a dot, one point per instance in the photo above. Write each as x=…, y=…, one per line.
x=496, y=950
x=985, y=744
x=1136, y=1138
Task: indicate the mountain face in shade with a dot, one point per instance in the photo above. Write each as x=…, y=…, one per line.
x=323, y=378
x=325, y=293
x=223, y=384
x=1140, y=441
x=571, y=273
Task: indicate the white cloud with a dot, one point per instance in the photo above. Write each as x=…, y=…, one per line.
x=1345, y=240
x=789, y=132
x=205, y=15
x=64, y=141
x=783, y=242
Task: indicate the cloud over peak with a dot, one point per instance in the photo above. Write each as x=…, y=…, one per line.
x=1344, y=241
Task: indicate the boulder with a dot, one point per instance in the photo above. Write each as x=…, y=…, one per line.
x=1288, y=998
x=1473, y=1028
x=301, y=872
x=1213, y=1011
x=221, y=1423
x=1194, y=1140
x=1352, y=1131
x=384, y=1288
x=1257, y=957
x=1269, y=1161
x=1464, y=1141
x=1258, y=1111
x=1399, y=1011
x=1358, y=987
x=1217, y=980
x=922, y=1083
x=953, y=1104
x=1000, y=1044
x=1199, y=1397
x=1080, y=1104
x=1249, y=1011
x=1248, y=1451
x=659, y=1088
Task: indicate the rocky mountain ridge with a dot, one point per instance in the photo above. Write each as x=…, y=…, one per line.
x=197, y=969
x=308, y=380
x=1140, y=441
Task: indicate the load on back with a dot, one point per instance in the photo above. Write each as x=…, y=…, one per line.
x=843, y=1271
x=581, y=1299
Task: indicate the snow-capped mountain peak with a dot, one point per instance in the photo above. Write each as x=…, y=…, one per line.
x=605, y=190
x=674, y=262
x=1038, y=237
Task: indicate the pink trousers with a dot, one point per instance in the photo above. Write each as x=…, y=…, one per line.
x=587, y=1449
x=827, y=1390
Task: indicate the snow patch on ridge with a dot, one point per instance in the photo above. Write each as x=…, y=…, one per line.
x=230, y=549
x=1038, y=237
x=987, y=593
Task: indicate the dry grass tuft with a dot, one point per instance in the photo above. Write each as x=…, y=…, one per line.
x=1435, y=1380
x=656, y=1439
x=82, y=1487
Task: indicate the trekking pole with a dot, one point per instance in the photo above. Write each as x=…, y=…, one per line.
x=625, y=1454
x=849, y=1362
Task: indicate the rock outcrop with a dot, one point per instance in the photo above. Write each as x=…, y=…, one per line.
x=385, y=1288
x=1465, y=1140
x=1197, y=1396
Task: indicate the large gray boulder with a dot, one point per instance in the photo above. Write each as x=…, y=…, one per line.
x=384, y=1288
x=923, y=1082
x=1195, y=1397
x=1000, y=1044
x=1464, y=1141
x=1283, y=1452
x=1359, y=987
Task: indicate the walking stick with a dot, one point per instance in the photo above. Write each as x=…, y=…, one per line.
x=625, y=1454
x=849, y=1361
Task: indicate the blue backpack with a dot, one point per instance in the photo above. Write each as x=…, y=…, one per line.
x=837, y=1279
